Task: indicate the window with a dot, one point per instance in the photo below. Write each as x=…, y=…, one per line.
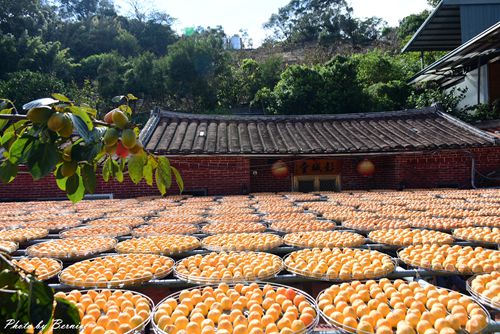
x=306, y=186
x=311, y=183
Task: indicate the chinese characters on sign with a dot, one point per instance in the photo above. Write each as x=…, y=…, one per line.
x=317, y=167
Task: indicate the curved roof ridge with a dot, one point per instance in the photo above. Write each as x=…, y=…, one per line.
x=309, y=117
x=408, y=130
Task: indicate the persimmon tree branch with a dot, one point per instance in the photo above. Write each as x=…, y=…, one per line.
x=68, y=140
x=20, y=117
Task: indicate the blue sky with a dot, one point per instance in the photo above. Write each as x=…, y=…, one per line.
x=235, y=14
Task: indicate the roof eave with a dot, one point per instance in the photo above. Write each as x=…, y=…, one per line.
x=422, y=27
x=485, y=135
x=424, y=72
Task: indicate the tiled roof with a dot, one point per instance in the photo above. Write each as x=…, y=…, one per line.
x=410, y=130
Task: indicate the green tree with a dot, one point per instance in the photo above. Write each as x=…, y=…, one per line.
x=126, y=44
x=24, y=86
x=410, y=24
x=359, y=32
x=377, y=66
x=332, y=88
x=298, y=91
x=110, y=74
x=386, y=96
x=95, y=35
x=83, y=9
x=155, y=34
x=324, y=21
x=249, y=77
x=9, y=54
x=429, y=93
x=305, y=20
x=22, y=16
x=50, y=57
x=342, y=92
x=196, y=67
x=139, y=76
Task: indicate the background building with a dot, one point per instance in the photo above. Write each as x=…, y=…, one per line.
x=470, y=30
x=225, y=154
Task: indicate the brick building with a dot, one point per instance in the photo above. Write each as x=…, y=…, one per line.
x=219, y=154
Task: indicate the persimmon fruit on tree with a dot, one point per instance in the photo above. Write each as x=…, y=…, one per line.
x=57, y=136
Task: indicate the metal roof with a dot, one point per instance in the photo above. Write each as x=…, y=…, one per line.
x=442, y=30
x=480, y=50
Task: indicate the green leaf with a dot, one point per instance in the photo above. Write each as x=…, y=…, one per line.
x=107, y=170
x=97, y=133
x=72, y=184
x=7, y=136
x=131, y=97
x=42, y=159
x=117, y=99
x=152, y=161
x=89, y=178
x=178, y=179
x=117, y=171
x=90, y=111
x=126, y=109
x=12, y=305
x=75, y=195
x=137, y=131
x=163, y=175
x=160, y=182
x=164, y=167
x=4, y=103
x=66, y=317
x=8, y=171
x=60, y=179
x=85, y=152
x=81, y=128
x=148, y=173
x=12, y=130
x=3, y=122
x=136, y=168
x=19, y=150
x=61, y=97
x=41, y=300
x=83, y=115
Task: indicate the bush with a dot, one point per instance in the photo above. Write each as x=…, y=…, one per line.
x=24, y=86
x=298, y=91
x=376, y=66
x=481, y=112
x=392, y=95
x=430, y=93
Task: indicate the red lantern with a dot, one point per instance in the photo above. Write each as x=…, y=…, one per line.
x=279, y=169
x=366, y=168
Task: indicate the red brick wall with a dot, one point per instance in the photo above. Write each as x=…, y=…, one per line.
x=447, y=168
x=383, y=178
x=234, y=175
x=262, y=179
x=443, y=168
x=219, y=175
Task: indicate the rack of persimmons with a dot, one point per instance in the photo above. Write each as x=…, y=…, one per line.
x=406, y=262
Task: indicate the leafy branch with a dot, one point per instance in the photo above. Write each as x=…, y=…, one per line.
x=26, y=301
x=56, y=136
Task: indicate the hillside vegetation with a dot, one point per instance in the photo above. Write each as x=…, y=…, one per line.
x=319, y=58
